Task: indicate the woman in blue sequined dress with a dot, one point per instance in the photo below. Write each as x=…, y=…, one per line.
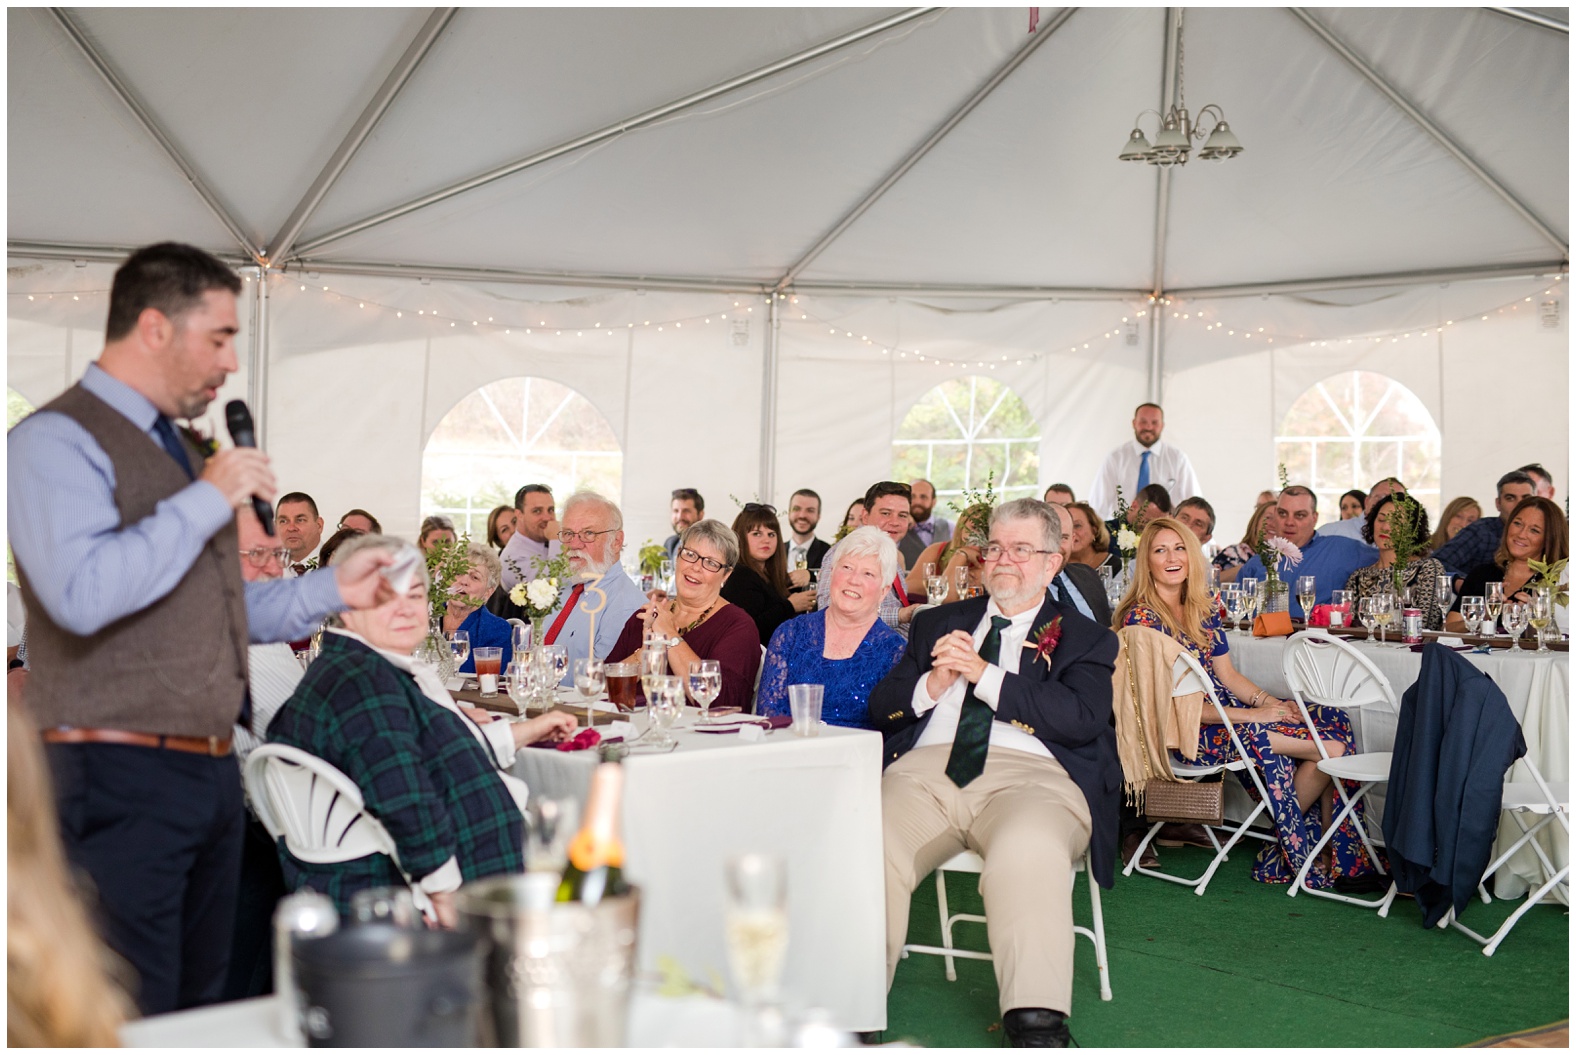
x=845, y=646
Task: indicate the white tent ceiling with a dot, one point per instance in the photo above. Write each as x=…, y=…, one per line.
x=1359, y=199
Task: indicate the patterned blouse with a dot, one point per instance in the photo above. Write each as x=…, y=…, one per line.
x=796, y=657
x=1420, y=571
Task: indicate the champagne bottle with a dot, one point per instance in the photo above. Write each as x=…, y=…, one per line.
x=596, y=854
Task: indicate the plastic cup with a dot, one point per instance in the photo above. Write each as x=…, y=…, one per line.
x=804, y=702
x=489, y=661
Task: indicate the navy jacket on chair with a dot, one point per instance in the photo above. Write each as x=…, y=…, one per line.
x=1454, y=741
x=1066, y=706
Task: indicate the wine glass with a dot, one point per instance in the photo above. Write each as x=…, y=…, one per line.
x=1472, y=613
x=664, y=701
x=1306, y=595
x=1541, y=613
x=1493, y=601
x=1253, y=600
x=1442, y=592
x=936, y=589
x=590, y=680
x=705, y=683
x=460, y=645
x=1365, y=612
x=666, y=574
x=1384, y=611
x=930, y=569
x=756, y=925
x=519, y=685
x=1233, y=596
x=1516, y=615
x=558, y=656
x=653, y=664
x=520, y=638
x=960, y=576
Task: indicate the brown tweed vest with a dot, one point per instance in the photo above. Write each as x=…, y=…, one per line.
x=177, y=666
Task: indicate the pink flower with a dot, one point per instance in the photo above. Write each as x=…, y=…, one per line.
x=1045, y=639
x=1287, y=549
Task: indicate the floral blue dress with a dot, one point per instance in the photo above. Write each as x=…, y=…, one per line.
x=1296, y=832
x=795, y=658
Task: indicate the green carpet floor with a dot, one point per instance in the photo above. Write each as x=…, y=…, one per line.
x=1245, y=965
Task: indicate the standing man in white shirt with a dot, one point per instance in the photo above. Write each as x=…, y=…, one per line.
x=1144, y=460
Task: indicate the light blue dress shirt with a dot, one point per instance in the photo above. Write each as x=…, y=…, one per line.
x=1330, y=559
x=86, y=569
x=1063, y=590
x=623, y=600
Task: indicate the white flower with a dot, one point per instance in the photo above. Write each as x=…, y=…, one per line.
x=541, y=593
x=1126, y=541
x=1287, y=549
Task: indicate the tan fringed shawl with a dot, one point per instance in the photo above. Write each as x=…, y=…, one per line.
x=1149, y=720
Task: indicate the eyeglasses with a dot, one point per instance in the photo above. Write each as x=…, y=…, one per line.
x=259, y=556
x=689, y=556
x=1017, y=553
x=587, y=537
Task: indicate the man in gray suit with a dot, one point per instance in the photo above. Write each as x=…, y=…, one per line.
x=926, y=528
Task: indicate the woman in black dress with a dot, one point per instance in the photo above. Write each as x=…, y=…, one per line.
x=759, y=585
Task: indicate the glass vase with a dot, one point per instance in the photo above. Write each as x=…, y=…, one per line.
x=435, y=651
x=1274, y=596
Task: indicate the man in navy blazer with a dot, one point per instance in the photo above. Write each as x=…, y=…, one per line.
x=999, y=739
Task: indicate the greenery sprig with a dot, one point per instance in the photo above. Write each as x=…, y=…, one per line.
x=446, y=561
x=978, y=533
x=1548, y=574
x=651, y=557
x=1406, y=536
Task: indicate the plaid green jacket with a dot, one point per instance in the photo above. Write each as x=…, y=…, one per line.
x=421, y=772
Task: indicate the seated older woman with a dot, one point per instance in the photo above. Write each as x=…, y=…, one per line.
x=1421, y=572
x=845, y=647
x=434, y=776
x=962, y=550
x=465, y=612
x=697, y=619
x=1091, y=542
x=435, y=529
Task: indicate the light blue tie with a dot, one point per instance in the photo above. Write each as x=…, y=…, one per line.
x=1143, y=470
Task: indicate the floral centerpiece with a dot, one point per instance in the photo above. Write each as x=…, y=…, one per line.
x=651, y=557
x=1547, y=575
x=446, y=562
x=1276, y=595
x=538, y=595
x=1126, y=537
x=1407, y=538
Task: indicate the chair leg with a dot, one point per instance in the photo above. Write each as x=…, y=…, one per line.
x=1224, y=851
x=1531, y=899
x=946, y=924
x=1099, y=934
x=1389, y=899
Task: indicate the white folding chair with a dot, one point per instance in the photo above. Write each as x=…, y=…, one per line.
x=968, y=861
x=1187, y=677
x=1551, y=804
x=1324, y=670
x=318, y=811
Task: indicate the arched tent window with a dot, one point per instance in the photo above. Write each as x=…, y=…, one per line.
x=513, y=432
x=1353, y=429
x=964, y=430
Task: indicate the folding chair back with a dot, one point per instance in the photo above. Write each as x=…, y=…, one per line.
x=1322, y=669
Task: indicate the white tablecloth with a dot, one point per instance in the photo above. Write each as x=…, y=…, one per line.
x=1536, y=687
x=816, y=802
x=654, y=1022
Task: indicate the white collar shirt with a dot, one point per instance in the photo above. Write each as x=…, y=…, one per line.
x=1168, y=466
x=943, y=724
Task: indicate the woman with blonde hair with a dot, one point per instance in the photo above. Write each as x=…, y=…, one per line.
x=962, y=550
x=58, y=989
x=1231, y=559
x=1091, y=541
x=1170, y=593
x=1457, y=515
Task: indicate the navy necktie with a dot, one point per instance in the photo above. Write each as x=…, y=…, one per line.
x=172, y=444
x=972, y=740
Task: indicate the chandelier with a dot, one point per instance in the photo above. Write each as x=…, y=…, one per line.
x=1174, y=139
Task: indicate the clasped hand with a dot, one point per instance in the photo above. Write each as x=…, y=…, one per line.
x=953, y=656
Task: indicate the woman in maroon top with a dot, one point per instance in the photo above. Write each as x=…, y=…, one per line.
x=706, y=626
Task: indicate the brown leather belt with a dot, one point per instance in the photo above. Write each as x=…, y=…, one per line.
x=212, y=746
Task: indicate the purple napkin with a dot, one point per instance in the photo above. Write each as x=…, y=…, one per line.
x=776, y=721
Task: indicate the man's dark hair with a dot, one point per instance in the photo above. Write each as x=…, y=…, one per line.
x=1539, y=472
x=377, y=528
x=301, y=496
x=1155, y=495
x=1062, y=487
x=1198, y=503
x=1515, y=476
x=530, y=489
x=807, y=493
x=689, y=494
x=170, y=278
x=1298, y=489
x=1141, y=406
x=1419, y=517
x=885, y=488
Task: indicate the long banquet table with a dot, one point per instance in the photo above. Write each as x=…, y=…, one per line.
x=816, y=802
x=1537, y=687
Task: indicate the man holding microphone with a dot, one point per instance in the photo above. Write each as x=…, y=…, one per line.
x=138, y=621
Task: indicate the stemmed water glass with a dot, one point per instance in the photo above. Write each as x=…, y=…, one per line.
x=460, y=645
x=936, y=589
x=520, y=638
x=1233, y=596
x=1384, y=611
x=1516, y=615
x=590, y=680
x=705, y=684
x=520, y=687
x=1472, y=613
x=756, y=931
x=664, y=701
x=558, y=657
x=960, y=576
x=1365, y=612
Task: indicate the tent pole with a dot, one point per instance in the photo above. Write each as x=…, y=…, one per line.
x=257, y=359
x=149, y=125
x=619, y=128
x=284, y=241
x=1523, y=14
x=769, y=403
x=1018, y=58
x=1168, y=97
x=1432, y=129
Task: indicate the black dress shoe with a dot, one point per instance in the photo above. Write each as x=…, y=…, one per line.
x=1036, y=1027
x=1130, y=842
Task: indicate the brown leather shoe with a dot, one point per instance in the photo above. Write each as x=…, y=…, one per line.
x=1130, y=844
x=1184, y=835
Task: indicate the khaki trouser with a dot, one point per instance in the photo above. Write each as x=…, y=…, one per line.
x=1030, y=822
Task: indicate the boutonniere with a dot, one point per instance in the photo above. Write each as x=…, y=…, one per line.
x=1045, y=639
x=206, y=445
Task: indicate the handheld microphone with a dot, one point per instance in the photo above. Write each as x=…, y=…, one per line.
x=239, y=420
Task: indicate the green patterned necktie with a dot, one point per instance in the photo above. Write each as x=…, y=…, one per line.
x=972, y=739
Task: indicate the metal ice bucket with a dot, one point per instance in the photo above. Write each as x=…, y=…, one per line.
x=559, y=976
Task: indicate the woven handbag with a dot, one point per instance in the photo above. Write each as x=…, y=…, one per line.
x=1185, y=801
